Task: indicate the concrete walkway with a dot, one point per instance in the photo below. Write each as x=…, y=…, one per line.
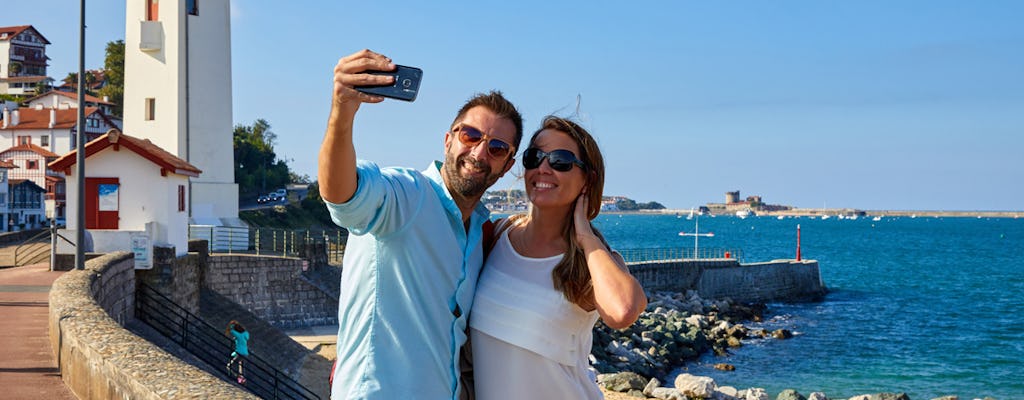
x=28, y=369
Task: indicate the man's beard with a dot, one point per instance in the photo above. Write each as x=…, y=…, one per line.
x=468, y=186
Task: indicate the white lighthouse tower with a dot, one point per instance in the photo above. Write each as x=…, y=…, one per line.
x=177, y=94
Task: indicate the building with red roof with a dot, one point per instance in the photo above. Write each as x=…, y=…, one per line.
x=133, y=189
x=23, y=60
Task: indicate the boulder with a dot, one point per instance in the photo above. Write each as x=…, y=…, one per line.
x=890, y=396
x=727, y=393
x=665, y=393
x=623, y=381
x=700, y=387
x=753, y=394
x=654, y=383
x=817, y=396
x=950, y=397
x=782, y=334
x=725, y=367
x=790, y=394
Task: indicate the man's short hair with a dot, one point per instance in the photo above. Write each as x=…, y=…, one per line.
x=498, y=104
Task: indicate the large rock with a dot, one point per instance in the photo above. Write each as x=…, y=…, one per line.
x=790, y=394
x=700, y=387
x=753, y=394
x=654, y=383
x=817, y=396
x=665, y=393
x=623, y=381
x=882, y=396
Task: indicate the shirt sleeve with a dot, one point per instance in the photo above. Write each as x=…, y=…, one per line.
x=385, y=199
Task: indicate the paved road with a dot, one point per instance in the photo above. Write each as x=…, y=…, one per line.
x=29, y=369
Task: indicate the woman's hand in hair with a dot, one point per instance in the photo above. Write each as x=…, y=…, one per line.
x=584, y=233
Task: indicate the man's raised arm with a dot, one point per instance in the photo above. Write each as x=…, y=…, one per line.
x=337, y=166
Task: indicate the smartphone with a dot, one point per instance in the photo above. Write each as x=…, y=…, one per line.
x=405, y=87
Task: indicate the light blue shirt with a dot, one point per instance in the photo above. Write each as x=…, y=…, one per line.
x=407, y=286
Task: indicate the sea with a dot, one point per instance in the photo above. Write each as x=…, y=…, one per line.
x=925, y=306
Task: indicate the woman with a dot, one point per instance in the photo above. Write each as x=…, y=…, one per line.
x=549, y=277
x=236, y=331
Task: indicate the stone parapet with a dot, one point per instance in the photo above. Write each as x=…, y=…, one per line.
x=99, y=359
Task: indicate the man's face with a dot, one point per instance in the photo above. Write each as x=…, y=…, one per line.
x=471, y=168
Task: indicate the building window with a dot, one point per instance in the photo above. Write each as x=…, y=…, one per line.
x=150, y=109
x=152, y=10
x=31, y=164
x=24, y=140
x=181, y=198
x=192, y=7
x=44, y=140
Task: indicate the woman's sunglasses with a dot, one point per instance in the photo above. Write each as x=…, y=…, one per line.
x=559, y=160
x=470, y=137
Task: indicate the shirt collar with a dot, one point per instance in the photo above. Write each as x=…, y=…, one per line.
x=433, y=172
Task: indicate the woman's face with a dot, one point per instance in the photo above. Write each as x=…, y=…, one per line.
x=547, y=187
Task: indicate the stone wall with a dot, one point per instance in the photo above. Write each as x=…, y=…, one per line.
x=99, y=359
x=178, y=278
x=273, y=288
x=778, y=280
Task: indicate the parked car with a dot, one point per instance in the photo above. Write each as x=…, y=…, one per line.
x=263, y=199
x=280, y=193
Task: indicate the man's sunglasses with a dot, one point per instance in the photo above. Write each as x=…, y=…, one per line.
x=559, y=160
x=470, y=137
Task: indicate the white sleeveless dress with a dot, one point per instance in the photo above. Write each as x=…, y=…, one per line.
x=529, y=342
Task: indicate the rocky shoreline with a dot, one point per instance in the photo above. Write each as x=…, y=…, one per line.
x=677, y=328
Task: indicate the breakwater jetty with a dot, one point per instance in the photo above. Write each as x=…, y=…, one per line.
x=721, y=278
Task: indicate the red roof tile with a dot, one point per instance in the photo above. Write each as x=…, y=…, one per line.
x=33, y=148
x=168, y=162
x=72, y=96
x=30, y=118
x=13, y=31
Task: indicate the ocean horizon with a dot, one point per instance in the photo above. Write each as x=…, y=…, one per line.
x=928, y=306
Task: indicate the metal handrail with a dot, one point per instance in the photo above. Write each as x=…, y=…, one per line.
x=269, y=241
x=682, y=254
x=32, y=240
x=210, y=345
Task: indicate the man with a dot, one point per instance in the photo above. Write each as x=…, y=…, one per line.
x=414, y=250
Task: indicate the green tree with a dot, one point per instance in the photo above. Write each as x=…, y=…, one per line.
x=651, y=206
x=113, y=70
x=626, y=205
x=257, y=169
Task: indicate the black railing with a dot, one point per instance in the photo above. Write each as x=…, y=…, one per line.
x=681, y=254
x=25, y=253
x=210, y=345
x=269, y=241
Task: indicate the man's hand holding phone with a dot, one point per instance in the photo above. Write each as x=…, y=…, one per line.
x=351, y=72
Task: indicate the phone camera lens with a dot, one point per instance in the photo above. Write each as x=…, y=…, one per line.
x=406, y=83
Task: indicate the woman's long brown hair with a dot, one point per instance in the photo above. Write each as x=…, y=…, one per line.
x=571, y=276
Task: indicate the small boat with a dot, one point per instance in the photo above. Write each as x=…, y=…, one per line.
x=743, y=213
x=781, y=217
x=877, y=218
x=824, y=217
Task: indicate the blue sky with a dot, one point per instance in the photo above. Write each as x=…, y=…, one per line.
x=864, y=104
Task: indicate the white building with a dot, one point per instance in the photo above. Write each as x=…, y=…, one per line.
x=65, y=100
x=135, y=192
x=177, y=93
x=49, y=128
x=23, y=60
x=5, y=168
x=31, y=161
